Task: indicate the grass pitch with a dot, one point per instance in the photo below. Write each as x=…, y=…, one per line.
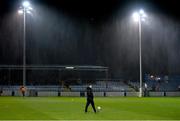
x=72, y=108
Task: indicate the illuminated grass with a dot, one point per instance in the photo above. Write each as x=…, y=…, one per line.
x=72, y=108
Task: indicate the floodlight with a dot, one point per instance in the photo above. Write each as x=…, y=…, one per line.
x=136, y=17
x=26, y=4
x=20, y=11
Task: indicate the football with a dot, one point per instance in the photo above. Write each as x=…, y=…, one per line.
x=99, y=108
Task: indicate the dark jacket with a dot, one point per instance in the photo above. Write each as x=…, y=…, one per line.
x=89, y=94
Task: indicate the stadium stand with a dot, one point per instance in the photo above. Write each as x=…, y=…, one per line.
x=163, y=83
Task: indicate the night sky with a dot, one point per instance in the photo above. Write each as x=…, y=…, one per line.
x=93, y=32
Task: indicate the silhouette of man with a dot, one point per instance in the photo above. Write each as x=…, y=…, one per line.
x=23, y=90
x=90, y=99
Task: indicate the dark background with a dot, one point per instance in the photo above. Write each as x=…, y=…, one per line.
x=93, y=32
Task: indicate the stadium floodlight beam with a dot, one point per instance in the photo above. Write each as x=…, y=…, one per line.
x=26, y=4
x=24, y=9
x=69, y=67
x=20, y=11
x=139, y=17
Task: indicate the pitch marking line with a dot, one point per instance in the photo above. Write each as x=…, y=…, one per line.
x=89, y=120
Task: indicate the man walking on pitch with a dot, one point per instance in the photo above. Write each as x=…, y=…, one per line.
x=23, y=89
x=90, y=99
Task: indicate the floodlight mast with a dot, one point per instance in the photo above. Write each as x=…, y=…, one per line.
x=24, y=9
x=138, y=17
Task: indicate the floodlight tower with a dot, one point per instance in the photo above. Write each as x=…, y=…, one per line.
x=24, y=9
x=139, y=17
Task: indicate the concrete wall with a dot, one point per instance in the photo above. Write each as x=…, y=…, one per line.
x=71, y=94
x=132, y=94
x=156, y=94
x=96, y=94
x=7, y=93
x=173, y=94
x=114, y=94
x=47, y=93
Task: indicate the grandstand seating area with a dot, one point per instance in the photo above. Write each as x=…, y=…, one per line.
x=99, y=86
x=159, y=83
x=172, y=83
x=162, y=84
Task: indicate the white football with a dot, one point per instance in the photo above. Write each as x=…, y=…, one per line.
x=99, y=108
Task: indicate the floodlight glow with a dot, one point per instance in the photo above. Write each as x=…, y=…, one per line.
x=29, y=12
x=26, y=4
x=144, y=15
x=141, y=12
x=140, y=15
x=152, y=76
x=159, y=78
x=136, y=17
x=142, y=19
x=30, y=8
x=20, y=11
x=69, y=67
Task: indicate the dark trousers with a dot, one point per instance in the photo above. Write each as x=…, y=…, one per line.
x=23, y=93
x=92, y=104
